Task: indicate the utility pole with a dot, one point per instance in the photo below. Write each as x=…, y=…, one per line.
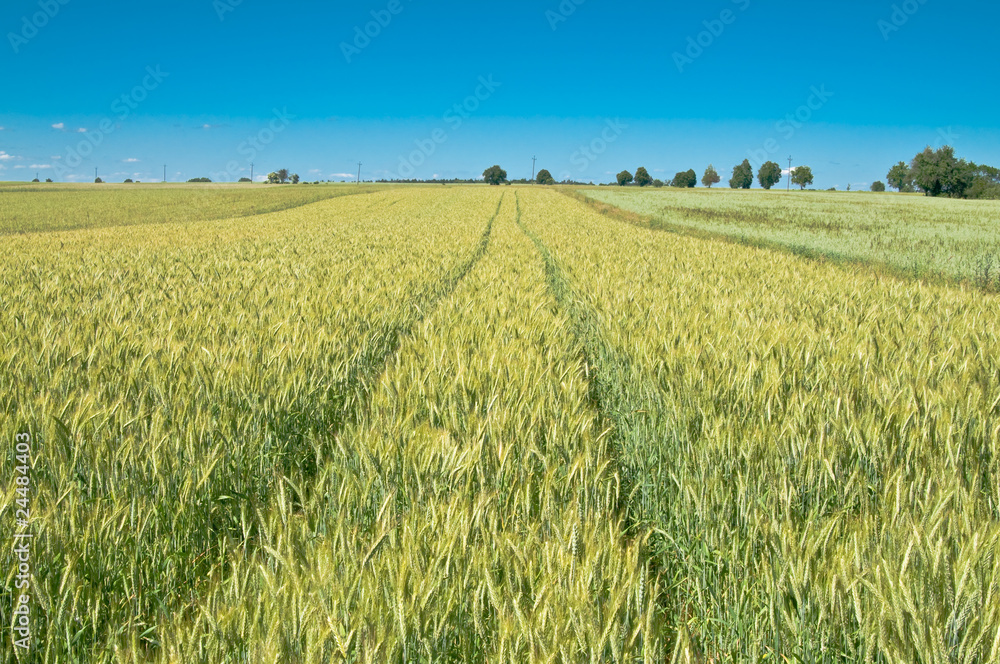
x=95, y=173
x=789, y=187
x=164, y=173
x=251, y=172
x=359, y=172
x=533, y=160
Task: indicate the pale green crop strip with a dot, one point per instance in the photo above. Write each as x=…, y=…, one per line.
x=818, y=451
x=908, y=235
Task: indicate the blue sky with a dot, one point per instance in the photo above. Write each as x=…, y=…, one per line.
x=446, y=89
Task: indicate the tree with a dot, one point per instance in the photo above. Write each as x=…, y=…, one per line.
x=878, y=186
x=244, y=180
x=900, y=178
x=200, y=180
x=128, y=181
x=295, y=178
x=941, y=173
x=769, y=175
x=48, y=179
x=742, y=176
x=624, y=178
x=98, y=181
x=36, y=180
x=985, y=183
x=272, y=178
x=658, y=183
x=642, y=177
x=282, y=176
x=710, y=177
x=685, y=179
x=544, y=177
x=802, y=176
x=494, y=175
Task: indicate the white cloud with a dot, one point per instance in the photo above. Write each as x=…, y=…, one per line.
x=2, y=128
x=40, y=166
x=81, y=130
x=59, y=125
x=20, y=166
x=56, y=156
x=342, y=175
x=6, y=157
x=130, y=160
x=314, y=170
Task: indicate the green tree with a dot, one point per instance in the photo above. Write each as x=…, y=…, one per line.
x=742, y=176
x=985, y=183
x=878, y=186
x=642, y=177
x=624, y=178
x=710, y=177
x=295, y=178
x=495, y=175
x=36, y=180
x=658, y=183
x=48, y=179
x=282, y=176
x=900, y=178
x=769, y=175
x=685, y=179
x=544, y=177
x=128, y=181
x=938, y=173
x=802, y=176
x=98, y=181
x=244, y=180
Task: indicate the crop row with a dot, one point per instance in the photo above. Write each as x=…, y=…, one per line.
x=816, y=450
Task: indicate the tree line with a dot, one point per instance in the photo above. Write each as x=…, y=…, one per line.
x=940, y=173
x=769, y=175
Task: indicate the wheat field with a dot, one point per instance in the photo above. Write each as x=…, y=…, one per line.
x=491, y=424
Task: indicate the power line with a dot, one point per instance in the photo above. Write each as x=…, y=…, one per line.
x=533, y=160
x=359, y=172
x=789, y=187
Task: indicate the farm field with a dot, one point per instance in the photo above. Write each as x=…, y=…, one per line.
x=491, y=424
x=911, y=235
x=53, y=207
